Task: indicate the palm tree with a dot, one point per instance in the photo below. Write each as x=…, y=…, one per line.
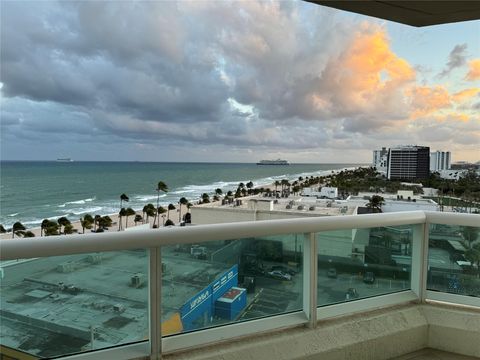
x=123, y=198
x=106, y=221
x=68, y=229
x=151, y=213
x=218, y=191
x=89, y=218
x=249, y=186
x=138, y=218
x=170, y=207
x=2, y=229
x=375, y=203
x=28, y=234
x=121, y=213
x=128, y=212
x=51, y=228
x=85, y=223
x=205, y=198
x=182, y=201
x=161, y=186
x=17, y=229
x=63, y=221
x=43, y=226
x=96, y=221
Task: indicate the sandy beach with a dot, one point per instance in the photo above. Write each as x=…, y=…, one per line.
x=174, y=214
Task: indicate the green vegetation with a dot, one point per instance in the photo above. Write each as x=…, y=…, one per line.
x=161, y=186
x=18, y=229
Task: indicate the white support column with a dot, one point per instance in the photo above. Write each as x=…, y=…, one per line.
x=310, y=272
x=155, y=308
x=420, y=260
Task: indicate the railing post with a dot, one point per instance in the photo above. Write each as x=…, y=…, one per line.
x=420, y=260
x=155, y=308
x=310, y=275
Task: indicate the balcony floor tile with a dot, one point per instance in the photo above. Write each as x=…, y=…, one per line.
x=432, y=354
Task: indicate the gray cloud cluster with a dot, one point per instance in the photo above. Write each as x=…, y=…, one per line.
x=144, y=75
x=457, y=58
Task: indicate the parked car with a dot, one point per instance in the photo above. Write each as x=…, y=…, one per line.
x=277, y=274
x=351, y=294
x=369, y=277
x=284, y=269
x=332, y=273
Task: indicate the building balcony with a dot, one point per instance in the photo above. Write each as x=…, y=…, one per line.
x=375, y=286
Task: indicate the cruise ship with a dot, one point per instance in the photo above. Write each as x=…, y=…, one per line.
x=273, y=162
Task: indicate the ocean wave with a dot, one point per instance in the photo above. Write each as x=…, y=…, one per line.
x=80, y=211
x=77, y=202
x=12, y=215
x=148, y=197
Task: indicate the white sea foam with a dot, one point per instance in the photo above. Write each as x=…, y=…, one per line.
x=12, y=215
x=77, y=202
x=148, y=197
x=80, y=211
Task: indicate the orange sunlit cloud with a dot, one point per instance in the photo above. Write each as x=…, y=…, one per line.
x=426, y=100
x=474, y=70
x=366, y=78
x=465, y=94
x=370, y=55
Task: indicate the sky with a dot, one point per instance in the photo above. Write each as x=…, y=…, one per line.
x=230, y=82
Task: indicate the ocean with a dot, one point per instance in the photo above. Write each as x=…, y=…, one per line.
x=31, y=191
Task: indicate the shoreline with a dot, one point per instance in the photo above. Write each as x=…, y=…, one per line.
x=173, y=214
x=115, y=218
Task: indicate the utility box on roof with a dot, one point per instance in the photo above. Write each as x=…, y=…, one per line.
x=230, y=304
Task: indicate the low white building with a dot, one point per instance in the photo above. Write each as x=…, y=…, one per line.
x=325, y=192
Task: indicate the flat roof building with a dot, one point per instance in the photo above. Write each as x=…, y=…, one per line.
x=408, y=162
x=440, y=160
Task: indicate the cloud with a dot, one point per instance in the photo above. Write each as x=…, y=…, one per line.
x=474, y=70
x=465, y=94
x=426, y=100
x=266, y=76
x=456, y=58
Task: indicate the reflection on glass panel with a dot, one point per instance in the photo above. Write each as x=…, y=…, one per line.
x=360, y=263
x=454, y=259
x=216, y=283
x=67, y=304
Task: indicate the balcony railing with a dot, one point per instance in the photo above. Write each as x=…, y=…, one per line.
x=124, y=295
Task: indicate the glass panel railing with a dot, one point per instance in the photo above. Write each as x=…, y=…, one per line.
x=454, y=259
x=68, y=304
x=216, y=283
x=361, y=263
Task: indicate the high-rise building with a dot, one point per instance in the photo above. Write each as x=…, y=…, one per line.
x=380, y=159
x=408, y=162
x=440, y=160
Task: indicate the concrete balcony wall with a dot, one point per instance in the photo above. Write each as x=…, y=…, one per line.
x=454, y=329
x=375, y=335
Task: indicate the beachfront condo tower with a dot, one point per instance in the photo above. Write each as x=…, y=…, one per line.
x=408, y=162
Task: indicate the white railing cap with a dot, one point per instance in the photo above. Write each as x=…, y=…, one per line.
x=74, y=244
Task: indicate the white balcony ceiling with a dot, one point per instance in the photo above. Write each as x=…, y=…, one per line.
x=415, y=13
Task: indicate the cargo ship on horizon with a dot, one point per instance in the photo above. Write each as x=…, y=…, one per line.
x=273, y=162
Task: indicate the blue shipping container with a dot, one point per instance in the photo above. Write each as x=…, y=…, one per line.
x=230, y=304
